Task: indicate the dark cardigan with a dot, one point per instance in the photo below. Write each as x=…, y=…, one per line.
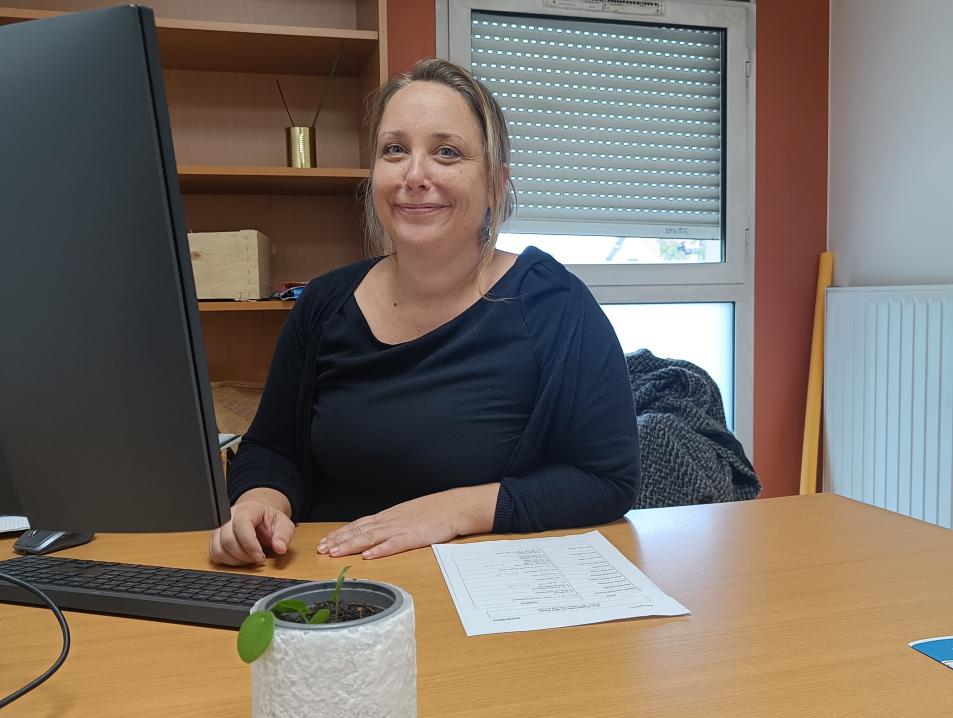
x=688, y=454
x=577, y=462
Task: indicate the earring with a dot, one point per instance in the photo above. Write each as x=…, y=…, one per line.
x=485, y=228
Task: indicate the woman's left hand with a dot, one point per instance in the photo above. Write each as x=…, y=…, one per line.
x=420, y=522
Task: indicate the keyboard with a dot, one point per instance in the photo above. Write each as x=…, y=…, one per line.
x=210, y=598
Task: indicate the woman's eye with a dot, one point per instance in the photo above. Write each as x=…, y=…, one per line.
x=392, y=149
x=447, y=153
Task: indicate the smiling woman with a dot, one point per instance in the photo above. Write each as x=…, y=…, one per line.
x=430, y=200
x=425, y=180
x=442, y=387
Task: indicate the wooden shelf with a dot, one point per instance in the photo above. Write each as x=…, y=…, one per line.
x=9, y=15
x=234, y=47
x=241, y=47
x=205, y=179
x=268, y=305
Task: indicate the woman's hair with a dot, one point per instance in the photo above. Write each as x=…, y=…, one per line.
x=496, y=147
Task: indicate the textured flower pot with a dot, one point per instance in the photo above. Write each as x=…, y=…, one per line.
x=366, y=667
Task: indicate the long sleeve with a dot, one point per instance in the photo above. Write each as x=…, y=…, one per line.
x=268, y=454
x=275, y=452
x=579, y=460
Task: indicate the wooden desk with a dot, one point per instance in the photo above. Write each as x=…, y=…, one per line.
x=801, y=606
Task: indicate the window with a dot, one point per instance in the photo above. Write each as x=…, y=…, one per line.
x=631, y=158
x=615, y=130
x=702, y=342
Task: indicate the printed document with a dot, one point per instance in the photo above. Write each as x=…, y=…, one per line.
x=13, y=523
x=529, y=584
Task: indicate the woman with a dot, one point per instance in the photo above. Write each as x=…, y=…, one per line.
x=444, y=388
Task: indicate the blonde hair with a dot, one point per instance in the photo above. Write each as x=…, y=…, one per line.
x=496, y=148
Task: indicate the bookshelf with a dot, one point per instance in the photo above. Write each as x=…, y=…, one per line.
x=220, y=60
x=204, y=179
x=262, y=306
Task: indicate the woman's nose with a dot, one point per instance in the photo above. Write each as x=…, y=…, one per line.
x=415, y=176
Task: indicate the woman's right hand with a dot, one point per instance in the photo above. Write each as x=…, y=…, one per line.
x=260, y=521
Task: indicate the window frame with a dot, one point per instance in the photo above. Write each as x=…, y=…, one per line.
x=729, y=281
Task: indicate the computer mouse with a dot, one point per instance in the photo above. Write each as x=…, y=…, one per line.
x=36, y=541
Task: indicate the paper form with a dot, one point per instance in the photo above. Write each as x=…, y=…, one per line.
x=227, y=441
x=529, y=584
x=13, y=523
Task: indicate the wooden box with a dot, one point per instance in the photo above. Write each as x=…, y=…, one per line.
x=231, y=265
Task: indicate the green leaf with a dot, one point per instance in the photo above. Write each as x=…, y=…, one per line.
x=255, y=635
x=336, y=596
x=320, y=616
x=289, y=605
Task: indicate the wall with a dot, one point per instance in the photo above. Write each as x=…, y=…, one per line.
x=411, y=33
x=790, y=208
x=790, y=225
x=891, y=142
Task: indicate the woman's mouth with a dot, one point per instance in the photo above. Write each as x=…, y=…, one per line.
x=419, y=209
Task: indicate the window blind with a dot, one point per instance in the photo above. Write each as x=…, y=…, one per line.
x=615, y=127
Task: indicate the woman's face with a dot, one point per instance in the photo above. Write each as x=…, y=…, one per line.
x=429, y=184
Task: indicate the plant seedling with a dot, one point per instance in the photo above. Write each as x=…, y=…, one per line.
x=258, y=628
x=336, y=595
x=255, y=635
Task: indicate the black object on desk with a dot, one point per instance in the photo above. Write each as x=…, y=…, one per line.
x=109, y=358
x=181, y=595
x=38, y=541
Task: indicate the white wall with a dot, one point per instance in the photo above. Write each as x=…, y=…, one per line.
x=890, y=203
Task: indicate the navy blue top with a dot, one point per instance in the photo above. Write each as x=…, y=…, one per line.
x=471, y=384
x=528, y=388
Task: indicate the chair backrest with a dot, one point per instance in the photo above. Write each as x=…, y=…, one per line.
x=688, y=454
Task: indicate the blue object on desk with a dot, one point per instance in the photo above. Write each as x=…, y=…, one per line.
x=939, y=649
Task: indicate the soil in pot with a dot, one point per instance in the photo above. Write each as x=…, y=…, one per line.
x=349, y=611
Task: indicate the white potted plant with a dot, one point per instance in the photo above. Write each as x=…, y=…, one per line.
x=331, y=648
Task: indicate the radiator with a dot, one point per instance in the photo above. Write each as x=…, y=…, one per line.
x=888, y=398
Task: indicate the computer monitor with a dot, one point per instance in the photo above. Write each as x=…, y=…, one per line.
x=106, y=420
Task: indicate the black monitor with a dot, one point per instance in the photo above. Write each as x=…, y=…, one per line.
x=106, y=420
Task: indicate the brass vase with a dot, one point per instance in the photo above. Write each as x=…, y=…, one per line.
x=301, y=149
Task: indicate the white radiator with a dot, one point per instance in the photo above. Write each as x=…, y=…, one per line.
x=888, y=398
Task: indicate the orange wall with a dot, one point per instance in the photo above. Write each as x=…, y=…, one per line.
x=790, y=208
x=411, y=33
x=790, y=225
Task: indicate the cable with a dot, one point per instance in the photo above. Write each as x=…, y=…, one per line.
x=65, y=628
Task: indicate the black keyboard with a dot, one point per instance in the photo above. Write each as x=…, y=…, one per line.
x=211, y=598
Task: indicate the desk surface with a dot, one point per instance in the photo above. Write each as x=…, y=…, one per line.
x=801, y=606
